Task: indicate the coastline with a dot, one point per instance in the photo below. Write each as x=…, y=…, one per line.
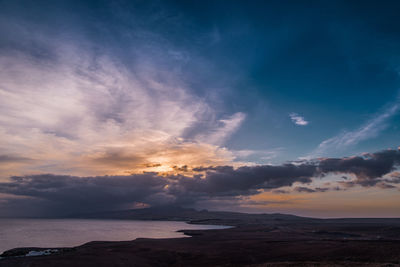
x=17, y=234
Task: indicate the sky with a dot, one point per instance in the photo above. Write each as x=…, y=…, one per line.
x=253, y=106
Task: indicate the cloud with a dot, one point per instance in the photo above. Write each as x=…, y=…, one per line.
x=393, y=177
x=61, y=194
x=162, y=157
x=13, y=158
x=370, y=129
x=298, y=120
x=225, y=180
x=248, y=155
x=368, y=169
x=223, y=130
x=77, y=107
x=302, y=189
x=10, y=162
x=68, y=194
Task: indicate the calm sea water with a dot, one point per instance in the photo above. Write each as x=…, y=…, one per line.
x=70, y=232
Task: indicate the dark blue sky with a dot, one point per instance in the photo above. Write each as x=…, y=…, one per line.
x=335, y=63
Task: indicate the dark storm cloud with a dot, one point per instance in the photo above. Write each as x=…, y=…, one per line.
x=71, y=193
x=67, y=194
x=302, y=189
x=367, y=169
x=247, y=180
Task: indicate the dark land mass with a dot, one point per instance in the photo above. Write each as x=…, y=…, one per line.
x=176, y=213
x=256, y=240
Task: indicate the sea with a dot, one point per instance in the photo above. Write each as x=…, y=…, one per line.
x=51, y=233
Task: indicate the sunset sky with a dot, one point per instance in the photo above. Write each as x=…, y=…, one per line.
x=253, y=106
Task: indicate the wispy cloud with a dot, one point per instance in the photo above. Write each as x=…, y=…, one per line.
x=85, y=111
x=223, y=130
x=298, y=120
x=370, y=129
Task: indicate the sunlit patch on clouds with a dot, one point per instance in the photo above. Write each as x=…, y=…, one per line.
x=298, y=120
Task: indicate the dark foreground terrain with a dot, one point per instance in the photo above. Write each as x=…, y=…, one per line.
x=263, y=240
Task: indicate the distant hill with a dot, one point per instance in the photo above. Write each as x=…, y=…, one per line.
x=175, y=213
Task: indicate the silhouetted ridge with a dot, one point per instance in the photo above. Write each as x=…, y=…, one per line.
x=176, y=213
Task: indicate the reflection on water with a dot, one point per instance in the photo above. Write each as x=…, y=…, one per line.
x=71, y=232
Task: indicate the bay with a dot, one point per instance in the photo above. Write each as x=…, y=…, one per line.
x=73, y=232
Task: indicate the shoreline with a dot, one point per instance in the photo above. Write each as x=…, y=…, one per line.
x=22, y=251
x=282, y=243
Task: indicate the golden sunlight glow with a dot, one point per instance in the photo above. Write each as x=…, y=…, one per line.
x=160, y=157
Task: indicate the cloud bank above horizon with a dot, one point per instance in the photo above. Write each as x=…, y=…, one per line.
x=61, y=195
